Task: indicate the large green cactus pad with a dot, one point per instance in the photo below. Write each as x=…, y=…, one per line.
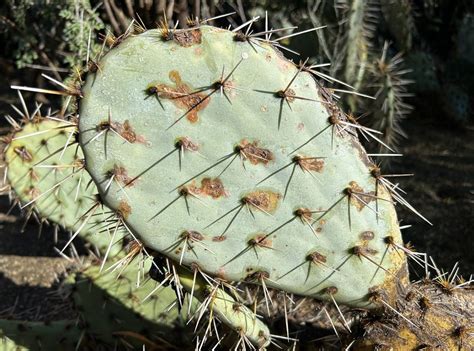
x=45, y=169
x=233, y=159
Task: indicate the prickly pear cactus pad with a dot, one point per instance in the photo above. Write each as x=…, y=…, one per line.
x=231, y=312
x=232, y=158
x=23, y=335
x=45, y=171
x=126, y=310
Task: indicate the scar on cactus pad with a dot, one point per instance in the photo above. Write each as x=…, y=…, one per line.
x=271, y=140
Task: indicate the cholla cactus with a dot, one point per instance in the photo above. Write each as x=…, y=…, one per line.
x=389, y=107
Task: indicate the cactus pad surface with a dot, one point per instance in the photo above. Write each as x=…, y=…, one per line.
x=45, y=170
x=126, y=311
x=234, y=159
x=23, y=335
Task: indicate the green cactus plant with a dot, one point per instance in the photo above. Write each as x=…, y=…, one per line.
x=126, y=315
x=24, y=335
x=209, y=115
x=389, y=107
x=46, y=174
x=111, y=310
x=356, y=48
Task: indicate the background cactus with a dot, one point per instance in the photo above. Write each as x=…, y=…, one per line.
x=355, y=51
x=430, y=315
x=46, y=173
x=72, y=22
x=23, y=335
x=117, y=311
x=389, y=107
x=111, y=312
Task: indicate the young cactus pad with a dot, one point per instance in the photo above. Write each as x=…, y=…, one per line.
x=231, y=312
x=45, y=170
x=236, y=160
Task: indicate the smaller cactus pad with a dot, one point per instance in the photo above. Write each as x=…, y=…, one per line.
x=124, y=311
x=45, y=170
x=24, y=335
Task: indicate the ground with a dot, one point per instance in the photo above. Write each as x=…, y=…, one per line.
x=442, y=189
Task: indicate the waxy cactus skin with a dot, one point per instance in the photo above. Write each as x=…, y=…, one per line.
x=46, y=173
x=234, y=159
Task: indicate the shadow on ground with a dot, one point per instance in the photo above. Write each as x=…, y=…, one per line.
x=442, y=189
